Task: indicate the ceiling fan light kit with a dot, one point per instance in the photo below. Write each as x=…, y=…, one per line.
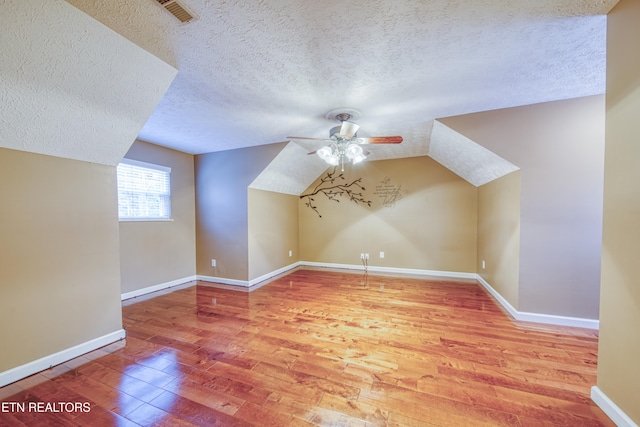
x=344, y=143
x=336, y=153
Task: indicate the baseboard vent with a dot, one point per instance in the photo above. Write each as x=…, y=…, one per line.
x=179, y=10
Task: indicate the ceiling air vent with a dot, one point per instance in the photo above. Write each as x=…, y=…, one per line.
x=179, y=10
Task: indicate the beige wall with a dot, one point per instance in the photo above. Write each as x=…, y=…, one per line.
x=59, y=266
x=222, y=181
x=619, y=346
x=559, y=147
x=433, y=226
x=156, y=252
x=499, y=235
x=273, y=231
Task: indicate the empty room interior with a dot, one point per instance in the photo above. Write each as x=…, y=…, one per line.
x=407, y=213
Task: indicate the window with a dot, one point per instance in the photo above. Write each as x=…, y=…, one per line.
x=144, y=191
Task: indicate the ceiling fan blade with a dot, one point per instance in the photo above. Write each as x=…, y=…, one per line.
x=380, y=140
x=309, y=139
x=348, y=129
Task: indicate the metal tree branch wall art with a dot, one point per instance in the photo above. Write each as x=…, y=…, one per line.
x=335, y=187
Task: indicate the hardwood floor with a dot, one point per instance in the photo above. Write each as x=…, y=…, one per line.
x=324, y=348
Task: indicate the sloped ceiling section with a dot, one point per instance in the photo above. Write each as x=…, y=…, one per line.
x=467, y=159
x=293, y=170
x=70, y=86
x=290, y=172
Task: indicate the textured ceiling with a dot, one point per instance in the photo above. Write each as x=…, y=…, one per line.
x=290, y=172
x=472, y=162
x=251, y=73
x=62, y=96
x=293, y=171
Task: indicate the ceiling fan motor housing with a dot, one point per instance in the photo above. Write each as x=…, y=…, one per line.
x=334, y=133
x=347, y=130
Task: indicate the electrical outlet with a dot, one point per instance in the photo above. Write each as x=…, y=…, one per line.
x=381, y=254
x=362, y=255
x=366, y=256
x=213, y=263
x=484, y=265
x=290, y=253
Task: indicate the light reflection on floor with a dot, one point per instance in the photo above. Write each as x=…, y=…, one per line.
x=145, y=381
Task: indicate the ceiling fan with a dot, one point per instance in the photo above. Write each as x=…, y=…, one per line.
x=344, y=143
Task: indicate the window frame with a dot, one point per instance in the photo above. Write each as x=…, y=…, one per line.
x=154, y=167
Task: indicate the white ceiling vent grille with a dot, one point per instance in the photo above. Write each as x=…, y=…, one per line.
x=179, y=10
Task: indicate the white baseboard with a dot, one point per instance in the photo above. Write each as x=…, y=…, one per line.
x=503, y=302
x=23, y=371
x=156, y=288
x=224, y=281
x=612, y=410
x=393, y=270
x=518, y=315
x=264, y=277
x=537, y=317
x=248, y=283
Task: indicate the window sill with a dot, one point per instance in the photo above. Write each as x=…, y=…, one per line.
x=145, y=219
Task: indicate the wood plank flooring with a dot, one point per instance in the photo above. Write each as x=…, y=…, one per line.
x=325, y=348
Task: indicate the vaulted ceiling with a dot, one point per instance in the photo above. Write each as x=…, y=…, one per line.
x=252, y=73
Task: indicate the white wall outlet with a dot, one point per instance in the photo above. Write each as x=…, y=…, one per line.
x=213, y=263
x=366, y=256
x=290, y=253
x=361, y=255
x=381, y=254
x=484, y=265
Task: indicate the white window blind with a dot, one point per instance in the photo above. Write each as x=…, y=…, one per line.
x=144, y=191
